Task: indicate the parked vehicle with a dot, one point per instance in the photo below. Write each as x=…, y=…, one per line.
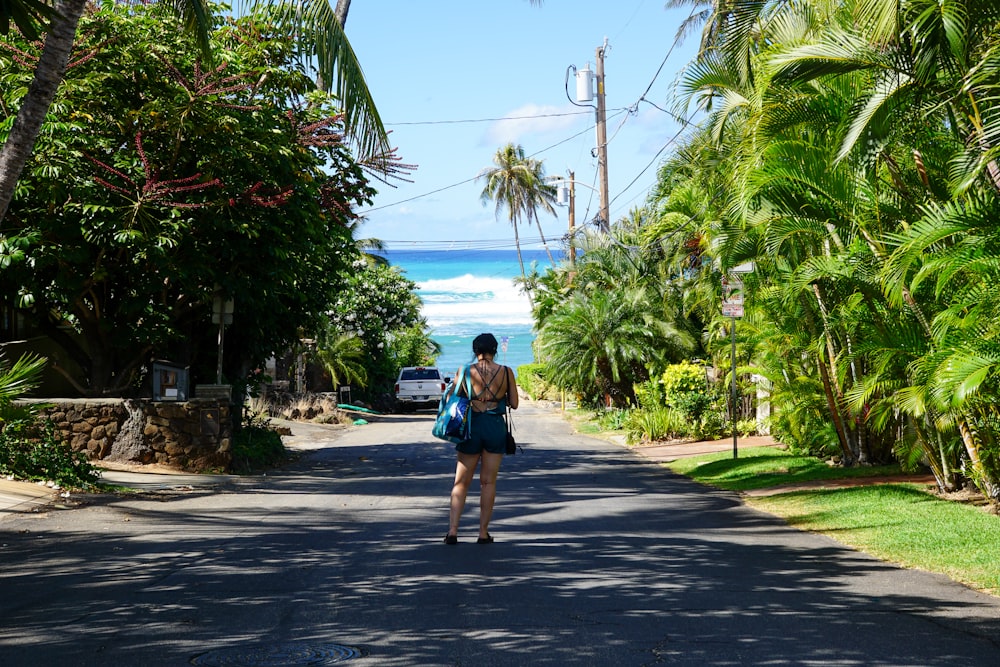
x=419, y=386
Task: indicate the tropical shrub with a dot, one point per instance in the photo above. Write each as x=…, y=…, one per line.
x=649, y=425
x=649, y=394
x=30, y=450
x=532, y=380
x=256, y=445
x=746, y=427
x=378, y=305
x=687, y=390
x=711, y=425
x=804, y=432
x=17, y=379
x=612, y=420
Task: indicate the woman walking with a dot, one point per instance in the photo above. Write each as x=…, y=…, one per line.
x=493, y=389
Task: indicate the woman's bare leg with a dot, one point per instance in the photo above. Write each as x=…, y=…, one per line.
x=463, y=479
x=487, y=490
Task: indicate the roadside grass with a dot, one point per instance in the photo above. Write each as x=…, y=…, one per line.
x=765, y=467
x=903, y=524
x=898, y=523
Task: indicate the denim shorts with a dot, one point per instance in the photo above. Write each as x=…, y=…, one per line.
x=489, y=432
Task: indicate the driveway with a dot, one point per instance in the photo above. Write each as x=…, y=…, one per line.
x=602, y=558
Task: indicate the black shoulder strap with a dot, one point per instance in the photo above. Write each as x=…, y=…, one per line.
x=488, y=385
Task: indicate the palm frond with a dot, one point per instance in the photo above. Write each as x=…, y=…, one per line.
x=321, y=36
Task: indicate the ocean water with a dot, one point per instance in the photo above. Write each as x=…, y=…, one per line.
x=466, y=292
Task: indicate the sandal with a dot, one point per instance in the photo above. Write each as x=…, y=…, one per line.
x=485, y=540
x=451, y=539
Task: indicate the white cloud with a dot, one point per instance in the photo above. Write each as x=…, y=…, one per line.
x=531, y=119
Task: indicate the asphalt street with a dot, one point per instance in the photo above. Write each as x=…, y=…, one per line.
x=602, y=557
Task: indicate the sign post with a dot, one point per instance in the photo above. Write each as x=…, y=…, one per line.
x=732, y=307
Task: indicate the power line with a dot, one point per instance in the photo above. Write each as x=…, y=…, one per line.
x=469, y=180
x=650, y=164
x=464, y=245
x=642, y=98
x=486, y=120
x=629, y=111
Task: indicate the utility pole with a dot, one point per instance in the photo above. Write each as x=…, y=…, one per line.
x=572, y=219
x=602, y=139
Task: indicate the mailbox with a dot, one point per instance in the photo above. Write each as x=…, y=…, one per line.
x=170, y=381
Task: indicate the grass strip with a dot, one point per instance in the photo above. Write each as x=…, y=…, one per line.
x=898, y=523
x=766, y=467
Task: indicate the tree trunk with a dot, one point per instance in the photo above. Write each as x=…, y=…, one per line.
x=831, y=403
x=934, y=451
x=49, y=74
x=520, y=260
x=849, y=437
x=343, y=6
x=545, y=244
x=982, y=477
x=129, y=445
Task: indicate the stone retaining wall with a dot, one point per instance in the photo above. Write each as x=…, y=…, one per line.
x=195, y=435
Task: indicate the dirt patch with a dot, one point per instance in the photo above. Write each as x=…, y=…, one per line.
x=664, y=451
x=969, y=496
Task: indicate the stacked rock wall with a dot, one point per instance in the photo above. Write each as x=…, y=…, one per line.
x=193, y=435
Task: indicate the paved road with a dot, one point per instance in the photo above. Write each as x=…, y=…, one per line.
x=602, y=558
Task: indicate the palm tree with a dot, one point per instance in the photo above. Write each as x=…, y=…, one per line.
x=927, y=59
x=16, y=381
x=542, y=196
x=515, y=184
x=315, y=23
x=602, y=342
x=342, y=355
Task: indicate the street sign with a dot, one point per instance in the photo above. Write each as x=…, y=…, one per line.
x=732, y=309
x=732, y=296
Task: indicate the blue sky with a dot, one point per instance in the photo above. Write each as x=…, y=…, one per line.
x=449, y=76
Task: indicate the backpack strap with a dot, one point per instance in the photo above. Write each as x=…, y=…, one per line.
x=464, y=381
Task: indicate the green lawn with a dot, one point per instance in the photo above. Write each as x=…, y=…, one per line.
x=765, y=467
x=899, y=523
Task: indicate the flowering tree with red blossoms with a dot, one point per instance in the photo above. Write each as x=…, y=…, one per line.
x=158, y=183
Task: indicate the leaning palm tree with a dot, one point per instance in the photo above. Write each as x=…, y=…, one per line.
x=542, y=196
x=514, y=184
x=314, y=22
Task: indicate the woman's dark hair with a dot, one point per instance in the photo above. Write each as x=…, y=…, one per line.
x=484, y=344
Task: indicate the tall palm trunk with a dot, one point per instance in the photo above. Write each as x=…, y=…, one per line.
x=848, y=437
x=48, y=75
x=343, y=6
x=545, y=244
x=520, y=260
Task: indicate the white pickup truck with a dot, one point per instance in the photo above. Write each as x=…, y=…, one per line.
x=419, y=386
